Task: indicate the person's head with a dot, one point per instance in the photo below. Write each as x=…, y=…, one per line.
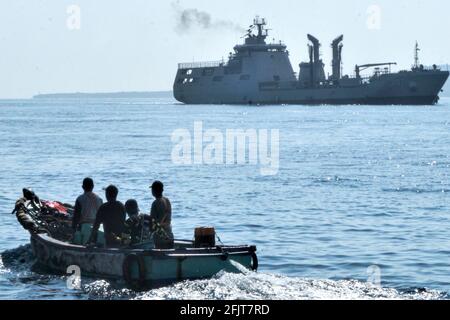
x=111, y=193
x=88, y=185
x=157, y=189
x=132, y=208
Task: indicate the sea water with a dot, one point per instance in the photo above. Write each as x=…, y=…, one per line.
x=358, y=208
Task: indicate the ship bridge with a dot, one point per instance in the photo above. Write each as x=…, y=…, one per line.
x=260, y=47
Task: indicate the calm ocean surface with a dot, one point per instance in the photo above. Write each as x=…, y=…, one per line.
x=358, y=188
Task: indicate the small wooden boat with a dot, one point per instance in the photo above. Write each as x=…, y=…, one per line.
x=139, y=267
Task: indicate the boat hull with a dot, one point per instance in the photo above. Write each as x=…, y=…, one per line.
x=404, y=88
x=146, y=268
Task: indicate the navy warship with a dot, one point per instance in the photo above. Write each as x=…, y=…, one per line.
x=258, y=72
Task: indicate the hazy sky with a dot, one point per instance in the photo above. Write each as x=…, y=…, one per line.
x=135, y=45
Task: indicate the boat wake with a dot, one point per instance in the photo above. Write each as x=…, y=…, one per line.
x=17, y=260
x=250, y=285
x=246, y=285
x=261, y=286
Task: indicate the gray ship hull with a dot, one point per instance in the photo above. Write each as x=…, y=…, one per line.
x=405, y=88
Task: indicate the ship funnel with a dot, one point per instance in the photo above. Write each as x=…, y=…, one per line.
x=316, y=45
x=311, y=64
x=314, y=52
x=337, y=46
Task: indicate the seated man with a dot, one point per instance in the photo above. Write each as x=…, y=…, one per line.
x=161, y=215
x=86, y=207
x=137, y=227
x=112, y=215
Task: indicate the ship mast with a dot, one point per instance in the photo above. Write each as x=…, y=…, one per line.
x=416, y=56
x=260, y=24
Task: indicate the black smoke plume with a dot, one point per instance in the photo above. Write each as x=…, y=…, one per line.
x=188, y=19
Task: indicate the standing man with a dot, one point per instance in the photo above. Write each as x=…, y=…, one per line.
x=112, y=215
x=86, y=207
x=161, y=215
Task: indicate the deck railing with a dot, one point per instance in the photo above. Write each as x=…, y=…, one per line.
x=205, y=64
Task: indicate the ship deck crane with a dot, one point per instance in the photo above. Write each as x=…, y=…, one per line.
x=363, y=67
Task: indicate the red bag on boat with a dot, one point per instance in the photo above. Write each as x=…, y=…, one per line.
x=56, y=205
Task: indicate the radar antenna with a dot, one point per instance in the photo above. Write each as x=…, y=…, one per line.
x=249, y=32
x=259, y=23
x=257, y=32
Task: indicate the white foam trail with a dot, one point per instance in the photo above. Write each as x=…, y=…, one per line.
x=261, y=286
x=2, y=267
x=240, y=267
